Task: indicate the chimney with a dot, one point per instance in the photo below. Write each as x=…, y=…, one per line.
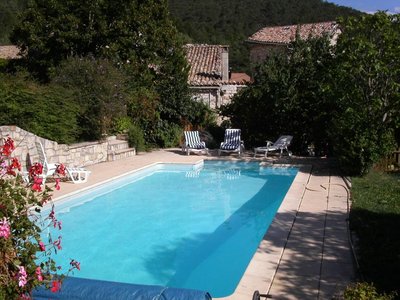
x=225, y=63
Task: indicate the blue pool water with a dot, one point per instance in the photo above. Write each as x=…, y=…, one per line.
x=181, y=226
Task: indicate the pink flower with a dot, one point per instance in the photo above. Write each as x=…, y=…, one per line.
x=22, y=276
x=75, y=264
x=42, y=246
x=16, y=164
x=57, y=243
x=60, y=169
x=38, y=273
x=37, y=182
x=56, y=285
x=8, y=147
x=36, y=169
x=4, y=228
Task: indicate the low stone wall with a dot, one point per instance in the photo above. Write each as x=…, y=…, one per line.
x=74, y=155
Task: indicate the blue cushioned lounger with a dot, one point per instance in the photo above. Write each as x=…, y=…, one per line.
x=88, y=289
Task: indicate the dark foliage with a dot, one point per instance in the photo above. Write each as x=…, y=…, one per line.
x=43, y=110
x=289, y=96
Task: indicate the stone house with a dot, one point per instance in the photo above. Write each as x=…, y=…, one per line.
x=210, y=78
x=274, y=39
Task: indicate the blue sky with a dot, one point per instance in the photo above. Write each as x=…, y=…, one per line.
x=370, y=6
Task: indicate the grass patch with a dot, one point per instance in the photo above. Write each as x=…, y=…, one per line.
x=375, y=217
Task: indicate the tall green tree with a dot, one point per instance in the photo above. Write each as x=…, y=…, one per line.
x=288, y=96
x=137, y=36
x=367, y=90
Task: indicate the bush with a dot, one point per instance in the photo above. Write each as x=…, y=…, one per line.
x=168, y=135
x=121, y=125
x=46, y=111
x=136, y=138
x=365, y=291
x=26, y=253
x=98, y=90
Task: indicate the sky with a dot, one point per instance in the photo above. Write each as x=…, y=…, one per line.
x=371, y=6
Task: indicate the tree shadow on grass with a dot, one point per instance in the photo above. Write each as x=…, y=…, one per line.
x=378, y=247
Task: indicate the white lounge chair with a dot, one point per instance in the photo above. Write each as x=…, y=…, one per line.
x=281, y=144
x=193, y=143
x=232, y=142
x=48, y=168
x=77, y=175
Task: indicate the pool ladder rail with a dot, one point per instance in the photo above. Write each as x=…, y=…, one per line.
x=257, y=295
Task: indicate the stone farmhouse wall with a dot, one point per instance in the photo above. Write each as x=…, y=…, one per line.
x=260, y=52
x=214, y=97
x=74, y=155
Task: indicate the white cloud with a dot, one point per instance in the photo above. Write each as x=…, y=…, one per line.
x=397, y=9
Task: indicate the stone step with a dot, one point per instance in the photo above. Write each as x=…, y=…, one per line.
x=120, y=154
x=117, y=145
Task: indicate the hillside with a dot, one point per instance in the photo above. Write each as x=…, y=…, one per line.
x=232, y=21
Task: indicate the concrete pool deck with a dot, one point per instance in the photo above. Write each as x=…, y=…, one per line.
x=305, y=253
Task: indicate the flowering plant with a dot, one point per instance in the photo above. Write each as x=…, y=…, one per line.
x=25, y=255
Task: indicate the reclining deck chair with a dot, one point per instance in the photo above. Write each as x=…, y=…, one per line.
x=232, y=142
x=77, y=175
x=193, y=143
x=281, y=144
x=48, y=169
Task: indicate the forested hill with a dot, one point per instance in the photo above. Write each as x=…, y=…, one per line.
x=232, y=21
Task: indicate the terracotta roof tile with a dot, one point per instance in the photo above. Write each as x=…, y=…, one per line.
x=287, y=34
x=240, y=77
x=206, y=65
x=9, y=52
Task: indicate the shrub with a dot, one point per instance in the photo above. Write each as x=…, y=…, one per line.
x=365, y=291
x=136, y=138
x=26, y=260
x=98, y=90
x=122, y=125
x=46, y=111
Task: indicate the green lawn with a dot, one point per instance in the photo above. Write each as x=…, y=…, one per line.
x=375, y=217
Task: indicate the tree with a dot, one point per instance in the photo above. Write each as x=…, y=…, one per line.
x=137, y=36
x=97, y=89
x=46, y=111
x=288, y=96
x=367, y=90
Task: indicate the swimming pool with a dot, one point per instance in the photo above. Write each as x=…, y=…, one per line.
x=182, y=226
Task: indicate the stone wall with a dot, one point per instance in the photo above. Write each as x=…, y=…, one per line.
x=260, y=52
x=228, y=91
x=74, y=155
x=216, y=96
x=209, y=96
